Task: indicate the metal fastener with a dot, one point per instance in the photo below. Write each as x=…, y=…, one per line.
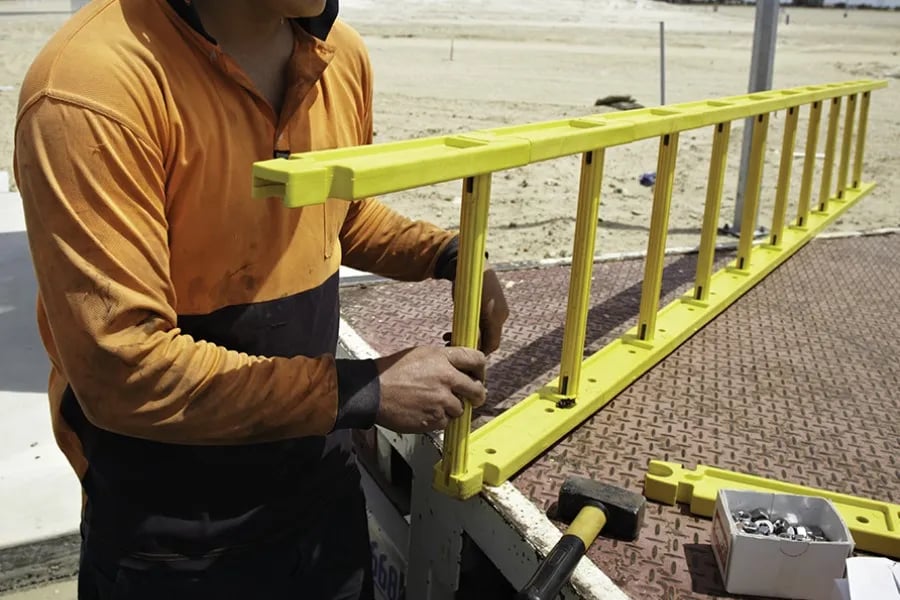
x=758, y=514
x=765, y=527
x=817, y=534
x=781, y=525
x=740, y=515
x=749, y=527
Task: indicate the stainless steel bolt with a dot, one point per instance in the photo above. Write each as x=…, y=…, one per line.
x=765, y=527
x=740, y=515
x=749, y=527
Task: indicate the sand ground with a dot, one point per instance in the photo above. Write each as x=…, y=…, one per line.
x=527, y=61
x=522, y=62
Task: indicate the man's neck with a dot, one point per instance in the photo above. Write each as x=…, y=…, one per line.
x=240, y=25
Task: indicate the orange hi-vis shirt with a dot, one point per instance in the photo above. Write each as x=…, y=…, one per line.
x=192, y=329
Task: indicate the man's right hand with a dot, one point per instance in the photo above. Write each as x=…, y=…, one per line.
x=422, y=388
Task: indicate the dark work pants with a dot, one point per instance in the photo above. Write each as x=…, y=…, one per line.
x=331, y=562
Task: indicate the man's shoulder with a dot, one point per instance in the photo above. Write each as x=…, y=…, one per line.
x=103, y=58
x=348, y=43
x=342, y=34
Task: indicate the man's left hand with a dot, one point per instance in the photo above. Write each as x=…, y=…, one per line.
x=494, y=312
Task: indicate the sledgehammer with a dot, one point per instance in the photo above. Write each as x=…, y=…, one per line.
x=591, y=507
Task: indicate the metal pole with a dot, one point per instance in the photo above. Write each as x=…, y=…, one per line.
x=765, y=34
x=662, y=63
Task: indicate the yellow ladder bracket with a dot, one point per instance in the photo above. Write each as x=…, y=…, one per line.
x=875, y=525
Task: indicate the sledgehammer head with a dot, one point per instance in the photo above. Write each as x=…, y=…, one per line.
x=624, y=510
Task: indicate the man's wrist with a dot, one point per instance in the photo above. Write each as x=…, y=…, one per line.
x=445, y=266
x=359, y=394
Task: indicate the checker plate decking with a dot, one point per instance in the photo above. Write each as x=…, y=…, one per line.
x=798, y=380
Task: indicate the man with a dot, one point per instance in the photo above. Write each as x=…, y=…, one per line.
x=191, y=329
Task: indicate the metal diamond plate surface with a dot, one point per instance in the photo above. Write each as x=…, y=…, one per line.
x=799, y=380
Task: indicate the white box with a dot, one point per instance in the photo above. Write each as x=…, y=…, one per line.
x=775, y=567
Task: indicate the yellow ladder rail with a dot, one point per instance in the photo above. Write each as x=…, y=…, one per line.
x=809, y=163
x=580, y=278
x=656, y=244
x=784, y=176
x=709, y=230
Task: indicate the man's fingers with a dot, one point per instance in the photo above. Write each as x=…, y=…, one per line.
x=454, y=407
x=467, y=360
x=469, y=389
x=490, y=335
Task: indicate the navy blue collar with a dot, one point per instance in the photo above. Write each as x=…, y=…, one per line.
x=316, y=26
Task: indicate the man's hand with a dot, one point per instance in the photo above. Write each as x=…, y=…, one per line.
x=422, y=388
x=494, y=312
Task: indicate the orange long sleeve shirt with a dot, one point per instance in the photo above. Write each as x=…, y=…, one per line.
x=192, y=329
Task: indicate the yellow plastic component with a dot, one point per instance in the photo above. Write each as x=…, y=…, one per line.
x=809, y=163
x=708, y=234
x=588, y=524
x=875, y=525
x=582, y=268
x=656, y=243
x=846, y=144
x=861, y=139
x=499, y=449
x=784, y=176
x=451, y=474
x=520, y=434
x=364, y=171
x=830, y=143
x=751, y=194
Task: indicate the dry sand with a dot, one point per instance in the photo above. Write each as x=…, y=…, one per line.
x=527, y=60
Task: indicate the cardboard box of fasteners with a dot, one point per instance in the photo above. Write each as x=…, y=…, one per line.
x=779, y=545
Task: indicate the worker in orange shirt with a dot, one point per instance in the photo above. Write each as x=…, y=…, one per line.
x=191, y=329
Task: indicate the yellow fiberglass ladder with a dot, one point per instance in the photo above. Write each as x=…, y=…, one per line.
x=496, y=451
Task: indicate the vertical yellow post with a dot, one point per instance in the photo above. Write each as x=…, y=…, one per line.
x=466, y=309
x=828, y=164
x=580, y=274
x=809, y=163
x=708, y=234
x=659, y=227
x=751, y=194
x=861, y=139
x=784, y=175
x=846, y=144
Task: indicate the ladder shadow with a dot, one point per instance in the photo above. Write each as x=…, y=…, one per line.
x=510, y=374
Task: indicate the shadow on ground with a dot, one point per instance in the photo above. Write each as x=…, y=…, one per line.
x=23, y=363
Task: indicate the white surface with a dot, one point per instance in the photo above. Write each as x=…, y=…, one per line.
x=841, y=590
x=11, y=217
x=774, y=567
x=39, y=494
x=873, y=578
